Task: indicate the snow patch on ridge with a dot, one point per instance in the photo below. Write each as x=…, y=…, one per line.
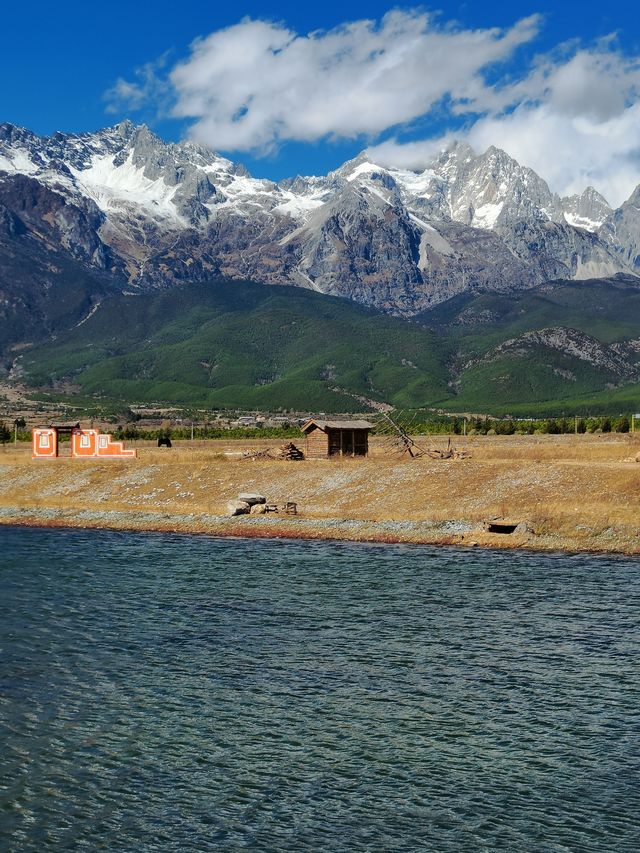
x=110, y=185
x=18, y=163
x=582, y=222
x=417, y=184
x=487, y=215
x=364, y=169
x=298, y=206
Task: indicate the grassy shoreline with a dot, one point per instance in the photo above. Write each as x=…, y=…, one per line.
x=575, y=493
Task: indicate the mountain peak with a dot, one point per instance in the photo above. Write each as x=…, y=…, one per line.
x=634, y=198
x=593, y=194
x=124, y=128
x=391, y=237
x=349, y=167
x=587, y=210
x=458, y=150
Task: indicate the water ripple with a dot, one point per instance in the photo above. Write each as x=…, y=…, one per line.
x=167, y=693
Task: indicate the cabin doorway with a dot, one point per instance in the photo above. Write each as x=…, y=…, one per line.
x=347, y=443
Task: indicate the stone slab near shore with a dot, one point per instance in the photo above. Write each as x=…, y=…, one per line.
x=571, y=492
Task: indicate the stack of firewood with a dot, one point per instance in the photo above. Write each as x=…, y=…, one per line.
x=291, y=452
x=449, y=453
x=258, y=454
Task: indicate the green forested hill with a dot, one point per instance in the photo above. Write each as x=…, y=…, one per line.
x=568, y=346
x=608, y=309
x=244, y=345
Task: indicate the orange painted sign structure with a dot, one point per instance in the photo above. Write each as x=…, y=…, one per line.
x=44, y=443
x=85, y=444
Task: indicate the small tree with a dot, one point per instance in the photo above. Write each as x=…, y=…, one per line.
x=130, y=432
x=480, y=426
x=5, y=433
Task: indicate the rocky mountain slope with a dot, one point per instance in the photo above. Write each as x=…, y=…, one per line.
x=143, y=214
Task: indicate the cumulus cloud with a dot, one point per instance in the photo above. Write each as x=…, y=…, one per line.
x=573, y=119
x=253, y=85
x=573, y=115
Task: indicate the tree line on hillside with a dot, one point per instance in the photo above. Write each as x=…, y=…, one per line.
x=438, y=425
x=548, y=426
x=447, y=425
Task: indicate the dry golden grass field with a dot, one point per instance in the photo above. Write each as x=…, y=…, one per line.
x=574, y=492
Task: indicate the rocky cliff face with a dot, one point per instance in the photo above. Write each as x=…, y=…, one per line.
x=156, y=214
x=621, y=230
x=618, y=360
x=32, y=206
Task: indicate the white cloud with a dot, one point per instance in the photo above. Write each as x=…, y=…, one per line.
x=573, y=115
x=570, y=152
x=250, y=86
x=148, y=89
x=575, y=120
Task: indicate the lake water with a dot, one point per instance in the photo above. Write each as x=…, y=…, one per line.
x=174, y=693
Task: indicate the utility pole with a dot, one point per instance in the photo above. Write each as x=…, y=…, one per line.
x=191, y=432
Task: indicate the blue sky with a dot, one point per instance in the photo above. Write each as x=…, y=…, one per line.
x=59, y=60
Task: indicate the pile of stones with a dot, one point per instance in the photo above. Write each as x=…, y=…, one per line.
x=247, y=502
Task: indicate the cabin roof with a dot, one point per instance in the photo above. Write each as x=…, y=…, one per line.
x=325, y=425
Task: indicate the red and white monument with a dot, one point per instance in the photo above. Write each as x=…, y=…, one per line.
x=85, y=443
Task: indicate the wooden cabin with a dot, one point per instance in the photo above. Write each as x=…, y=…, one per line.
x=336, y=438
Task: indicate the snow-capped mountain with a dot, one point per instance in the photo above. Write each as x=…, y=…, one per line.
x=589, y=210
x=153, y=214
